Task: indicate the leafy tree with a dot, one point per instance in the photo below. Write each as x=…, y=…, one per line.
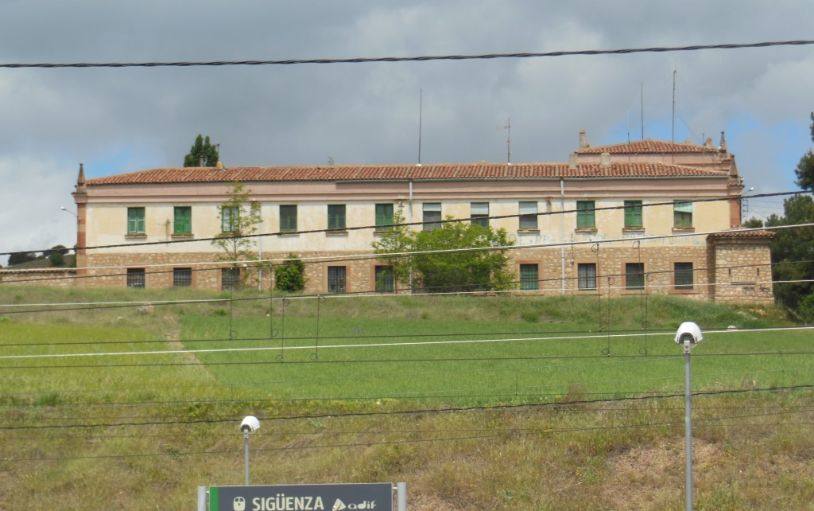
x=805, y=168
x=21, y=257
x=753, y=222
x=290, y=276
x=450, y=271
x=792, y=249
x=202, y=153
x=239, y=217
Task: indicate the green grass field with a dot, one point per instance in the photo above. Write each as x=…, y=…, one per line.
x=374, y=354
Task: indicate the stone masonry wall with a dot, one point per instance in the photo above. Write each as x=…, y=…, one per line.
x=744, y=272
x=610, y=270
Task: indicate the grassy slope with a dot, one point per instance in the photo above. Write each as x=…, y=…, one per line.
x=498, y=460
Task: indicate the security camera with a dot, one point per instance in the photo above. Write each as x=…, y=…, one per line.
x=250, y=424
x=688, y=333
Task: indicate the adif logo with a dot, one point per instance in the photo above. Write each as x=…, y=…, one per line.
x=239, y=504
x=364, y=505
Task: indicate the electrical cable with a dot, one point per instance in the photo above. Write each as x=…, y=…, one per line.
x=409, y=224
x=450, y=409
x=414, y=58
x=386, y=345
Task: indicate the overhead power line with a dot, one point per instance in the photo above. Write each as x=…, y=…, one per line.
x=283, y=349
x=374, y=413
x=372, y=255
x=499, y=433
x=416, y=58
x=406, y=224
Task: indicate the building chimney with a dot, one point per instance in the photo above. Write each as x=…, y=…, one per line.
x=80, y=179
x=219, y=165
x=583, y=139
x=722, y=143
x=605, y=160
x=708, y=142
x=572, y=161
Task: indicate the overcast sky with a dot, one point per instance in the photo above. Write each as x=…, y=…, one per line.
x=123, y=120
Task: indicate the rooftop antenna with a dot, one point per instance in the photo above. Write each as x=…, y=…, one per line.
x=673, y=125
x=641, y=109
x=420, y=115
x=508, y=128
x=627, y=119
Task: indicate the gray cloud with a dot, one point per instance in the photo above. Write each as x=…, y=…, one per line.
x=117, y=120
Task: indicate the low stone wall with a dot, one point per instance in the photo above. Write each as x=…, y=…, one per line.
x=52, y=277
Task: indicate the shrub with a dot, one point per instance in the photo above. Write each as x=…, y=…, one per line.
x=290, y=276
x=806, y=309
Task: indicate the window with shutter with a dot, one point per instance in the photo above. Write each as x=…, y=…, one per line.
x=585, y=214
x=229, y=219
x=336, y=217
x=528, y=215
x=633, y=214
x=182, y=220
x=432, y=215
x=135, y=220
x=288, y=217
x=682, y=214
x=384, y=216
x=479, y=213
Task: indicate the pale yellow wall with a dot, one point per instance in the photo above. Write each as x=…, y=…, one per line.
x=107, y=224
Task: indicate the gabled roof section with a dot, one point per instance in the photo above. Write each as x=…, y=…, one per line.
x=404, y=172
x=649, y=147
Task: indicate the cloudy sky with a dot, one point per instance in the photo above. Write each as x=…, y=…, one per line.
x=122, y=120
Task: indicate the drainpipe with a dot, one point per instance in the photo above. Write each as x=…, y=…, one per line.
x=562, y=236
x=410, y=220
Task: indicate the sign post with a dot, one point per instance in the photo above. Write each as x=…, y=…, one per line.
x=304, y=497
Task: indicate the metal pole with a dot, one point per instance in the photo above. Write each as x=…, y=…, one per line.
x=688, y=427
x=401, y=493
x=201, y=498
x=246, y=455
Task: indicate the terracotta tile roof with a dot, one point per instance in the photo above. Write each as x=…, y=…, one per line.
x=440, y=171
x=648, y=147
x=759, y=234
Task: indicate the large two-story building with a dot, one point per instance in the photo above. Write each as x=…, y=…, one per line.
x=166, y=204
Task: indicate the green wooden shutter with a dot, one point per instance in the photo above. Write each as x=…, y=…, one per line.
x=384, y=215
x=135, y=220
x=682, y=214
x=585, y=214
x=633, y=213
x=336, y=216
x=182, y=221
x=288, y=217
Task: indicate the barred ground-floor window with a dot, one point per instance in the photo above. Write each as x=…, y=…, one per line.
x=586, y=276
x=181, y=277
x=529, y=277
x=136, y=277
x=337, y=279
x=229, y=279
x=385, y=280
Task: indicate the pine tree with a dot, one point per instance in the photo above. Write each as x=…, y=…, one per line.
x=202, y=153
